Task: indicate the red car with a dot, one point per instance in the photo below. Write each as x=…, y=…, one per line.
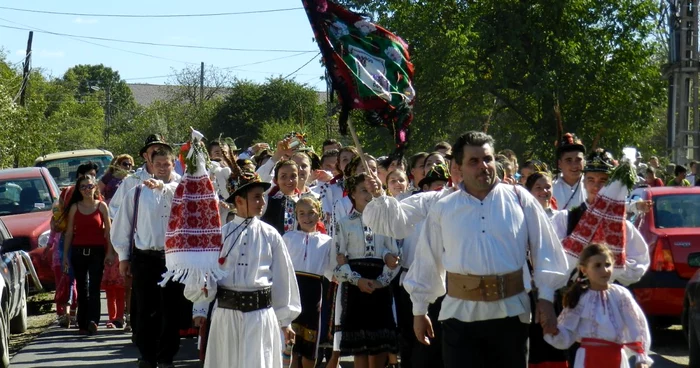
x=26, y=198
x=672, y=230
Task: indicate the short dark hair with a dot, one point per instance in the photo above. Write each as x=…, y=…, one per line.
x=162, y=151
x=651, y=170
x=328, y=154
x=693, y=163
x=86, y=167
x=331, y=141
x=680, y=169
x=472, y=138
x=442, y=145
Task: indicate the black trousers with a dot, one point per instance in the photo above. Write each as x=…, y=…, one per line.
x=413, y=353
x=88, y=266
x=157, y=308
x=485, y=344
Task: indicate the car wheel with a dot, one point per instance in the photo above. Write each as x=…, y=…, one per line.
x=4, y=333
x=19, y=323
x=693, y=345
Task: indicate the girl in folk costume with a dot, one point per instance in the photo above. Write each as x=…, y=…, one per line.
x=343, y=206
x=258, y=295
x=334, y=189
x=397, y=184
x=279, y=210
x=310, y=254
x=303, y=161
x=602, y=316
x=364, y=263
x=539, y=184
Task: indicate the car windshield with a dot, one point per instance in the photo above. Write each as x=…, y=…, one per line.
x=23, y=196
x=677, y=210
x=64, y=170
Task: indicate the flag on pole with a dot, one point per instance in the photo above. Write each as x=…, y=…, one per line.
x=368, y=66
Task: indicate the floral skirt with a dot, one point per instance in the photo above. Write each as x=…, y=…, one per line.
x=111, y=276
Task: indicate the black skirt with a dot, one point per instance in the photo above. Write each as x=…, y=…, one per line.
x=306, y=325
x=367, y=322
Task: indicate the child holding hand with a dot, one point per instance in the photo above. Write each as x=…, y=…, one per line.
x=602, y=316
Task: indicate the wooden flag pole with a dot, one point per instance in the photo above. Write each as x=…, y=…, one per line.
x=358, y=146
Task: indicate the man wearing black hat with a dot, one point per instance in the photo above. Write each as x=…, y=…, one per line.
x=260, y=293
x=145, y=172
x=567, y=188
x=596, y=173
x=145, y=214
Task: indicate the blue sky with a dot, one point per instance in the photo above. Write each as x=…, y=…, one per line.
x=54, y=54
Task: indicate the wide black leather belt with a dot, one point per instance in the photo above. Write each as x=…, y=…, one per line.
x=244, y=301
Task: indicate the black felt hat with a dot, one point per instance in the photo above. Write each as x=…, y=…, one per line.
x=244, y=181
x=438, y=172
x=154, y=139
x=570, y=143
x=599, y=161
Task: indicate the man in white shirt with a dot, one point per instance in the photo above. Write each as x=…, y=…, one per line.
x=567, y=189
x=156, y=320
x=145, y=172
x=478, y=238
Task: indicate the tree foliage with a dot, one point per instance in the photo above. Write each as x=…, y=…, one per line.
x=508, y=67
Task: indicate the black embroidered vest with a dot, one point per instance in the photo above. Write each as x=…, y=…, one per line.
x=575, y=215
x=274, y=214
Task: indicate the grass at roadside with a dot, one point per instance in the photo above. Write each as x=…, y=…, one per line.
x=40, y=315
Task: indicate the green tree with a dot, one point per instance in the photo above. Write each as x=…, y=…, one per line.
x=508, y=66
x=249, y=106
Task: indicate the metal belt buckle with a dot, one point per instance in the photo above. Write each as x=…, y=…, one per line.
x=501, y=287
x=86, y=251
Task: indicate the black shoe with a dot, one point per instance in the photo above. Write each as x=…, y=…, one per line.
x=92, y=327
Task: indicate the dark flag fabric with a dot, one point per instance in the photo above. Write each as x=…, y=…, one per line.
x=368, y=66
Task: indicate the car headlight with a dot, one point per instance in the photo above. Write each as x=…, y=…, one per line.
x=44, y=238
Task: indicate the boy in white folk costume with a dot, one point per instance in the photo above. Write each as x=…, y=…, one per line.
x=258, y=296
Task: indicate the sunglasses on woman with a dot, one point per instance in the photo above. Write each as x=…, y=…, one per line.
x=87, y=187
x=127, y=164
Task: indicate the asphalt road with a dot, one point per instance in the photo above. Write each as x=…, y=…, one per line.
x=58, y=347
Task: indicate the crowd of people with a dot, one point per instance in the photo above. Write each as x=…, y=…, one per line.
x=451, y=258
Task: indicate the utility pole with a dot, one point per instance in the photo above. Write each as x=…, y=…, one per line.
x=25, y=84
x=201, y=85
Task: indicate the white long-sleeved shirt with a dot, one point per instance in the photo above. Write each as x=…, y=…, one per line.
x=130, y=182
x=390, y=217
x=152, y=222
x=610, y=315
x=568, y=196
x=255, y=258
x=310, y=252
x=267, y=170
x=637, y=252
x=465, y=235
x=356, y=240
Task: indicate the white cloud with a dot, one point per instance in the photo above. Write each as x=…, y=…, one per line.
x=81, y=20
x=21, y=52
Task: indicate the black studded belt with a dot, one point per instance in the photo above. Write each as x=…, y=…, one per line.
x=244, y=301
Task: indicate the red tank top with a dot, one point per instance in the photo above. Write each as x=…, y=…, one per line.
x=88, y=230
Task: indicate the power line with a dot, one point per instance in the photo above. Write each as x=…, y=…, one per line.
x=301, y=67
x=99, y=44
x=156, y=44
x=152, y=15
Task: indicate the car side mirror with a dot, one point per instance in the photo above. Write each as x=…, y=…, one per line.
x=15, y=244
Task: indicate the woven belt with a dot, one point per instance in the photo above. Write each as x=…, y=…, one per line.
x=485, y=288
x=244, y=301
x=305, y=333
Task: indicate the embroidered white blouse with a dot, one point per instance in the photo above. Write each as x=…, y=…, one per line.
x=465, y=235
x=356, y=240
x=310, y=252
x=611, y=315
x=255, y=258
